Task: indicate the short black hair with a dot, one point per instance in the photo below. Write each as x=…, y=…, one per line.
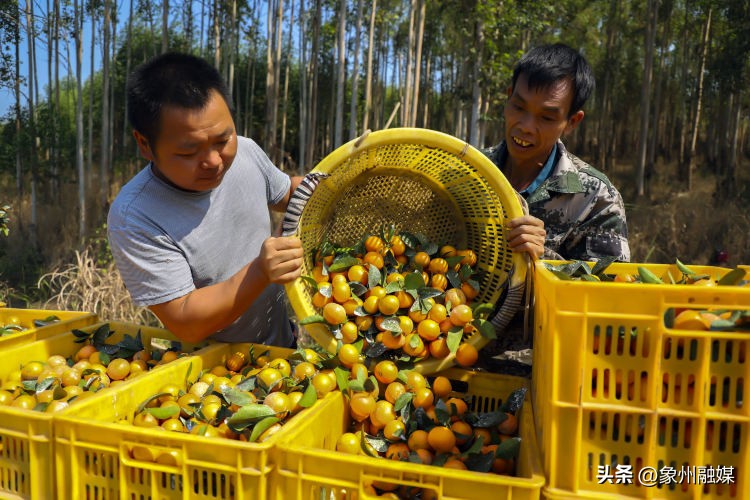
x=547, y=64
x=170, y=79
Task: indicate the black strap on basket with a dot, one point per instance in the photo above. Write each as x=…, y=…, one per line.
x=298, y=200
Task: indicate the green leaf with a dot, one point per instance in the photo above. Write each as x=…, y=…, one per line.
x=561, y=275
x=309, y=397
x=509, y=448
x=683, y=268
x=647, y=276
x=363, y=442
x=45, y=384
x=101, y=335
x=514, y=401
x=105, y=358
x=29, y=385
x=430, y=248
x=343, y=263
x=326, y=290
x=315, y=318
x=475, y=447
x=732, y=278
x=403, y=400
x=238, y=397
x=453, y=339
x=247, y=384
x=80, y=334
x=163, y=413
x=357, y=288
x=465, y=272
x=453, y=279
x=452, y=261
x=262, y=427
x=414, y=341
x=148, y=400
x=342, y=378
x=413, y=281
x=250, y=414
x=59, y=393
x=442, y=412
x=427, y=292
x=482, y=309
x=486, y=420
x=393, y=287
x=356, y=386
x=391, y=324
x=480, y=462
x=602, y=265
x=374, y=277
x=486, y=328
x=310, y=281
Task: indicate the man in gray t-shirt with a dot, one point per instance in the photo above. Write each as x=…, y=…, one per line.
x=191, y=232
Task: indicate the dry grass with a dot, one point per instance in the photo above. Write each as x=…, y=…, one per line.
x=84, y=286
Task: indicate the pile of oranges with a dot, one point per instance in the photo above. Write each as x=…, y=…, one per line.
x=246, y=398
x=401, y=416
x=56, y=383
x=399, y=297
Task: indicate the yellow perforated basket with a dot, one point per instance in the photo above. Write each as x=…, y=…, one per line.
x=417, y=180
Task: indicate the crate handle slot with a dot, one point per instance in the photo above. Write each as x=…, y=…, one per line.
x=151, y=457
x=390, y=481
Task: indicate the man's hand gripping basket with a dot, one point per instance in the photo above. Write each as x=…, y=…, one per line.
x=420, y=181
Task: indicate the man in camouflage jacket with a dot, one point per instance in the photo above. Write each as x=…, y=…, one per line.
x=583, y=212
x=574, y=210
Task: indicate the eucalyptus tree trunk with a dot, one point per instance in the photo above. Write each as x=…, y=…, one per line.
x=217, y=33
x=651, y=9
x=604, y=152
x=368, y=79
x=31, y=37
x=355, y=75
x=270, y=132
x=285, y=100
x=656, y=124
x=303, y=78
x=476, y=89
x=234, y=37
x=128, y=58
x=695, y=122
x=341, y=76
x=312, y=138
x=104, y=156
x=407, y=79
x=16, y=27
x=279, y=30
x=78, y=33
x=188, y=22
x=417, y=63
x=90, y=142
x=165, y=25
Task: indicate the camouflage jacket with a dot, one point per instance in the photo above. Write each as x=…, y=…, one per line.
x=583, y=213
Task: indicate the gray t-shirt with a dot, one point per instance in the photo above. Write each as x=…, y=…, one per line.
x=167, y=242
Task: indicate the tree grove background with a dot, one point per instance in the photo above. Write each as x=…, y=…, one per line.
x=668, y=122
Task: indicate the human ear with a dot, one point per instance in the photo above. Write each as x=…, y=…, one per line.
x=573, y=121
x=143, y=145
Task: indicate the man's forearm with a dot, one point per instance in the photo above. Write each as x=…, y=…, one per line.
x=204, y=311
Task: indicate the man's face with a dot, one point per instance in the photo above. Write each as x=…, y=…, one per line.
x=195, y=148
x=536, y=119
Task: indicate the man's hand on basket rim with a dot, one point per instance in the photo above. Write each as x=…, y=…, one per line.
x=527, y=234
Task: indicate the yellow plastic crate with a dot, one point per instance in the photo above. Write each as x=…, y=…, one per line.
x=612, y=385
x=24, y=318
x=310, y=468
x=26, y=437
x=93, y=452
x=420, y=181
